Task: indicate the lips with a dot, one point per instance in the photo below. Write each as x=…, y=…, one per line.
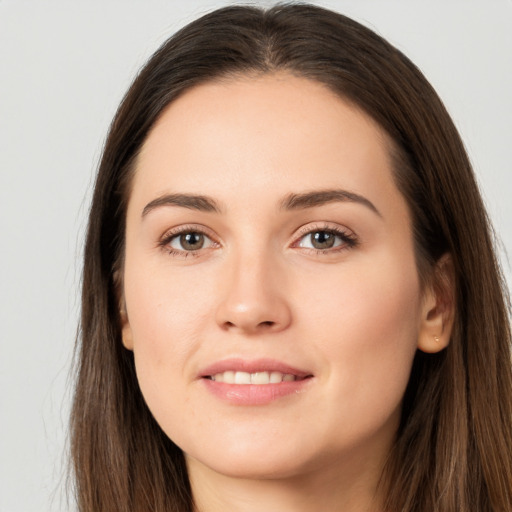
x=256, y=378
x=256, y=382
x=252, y=367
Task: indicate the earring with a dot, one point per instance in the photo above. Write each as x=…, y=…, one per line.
x=436, y=339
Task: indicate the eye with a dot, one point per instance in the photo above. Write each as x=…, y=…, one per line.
x=326, y=239
x=186, y=241
x=192, y=241
x=320, y=240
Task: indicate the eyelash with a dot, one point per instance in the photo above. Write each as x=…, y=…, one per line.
x=349, y=239
x=169, y=236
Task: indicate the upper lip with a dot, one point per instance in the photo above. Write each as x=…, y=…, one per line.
x=252, y=366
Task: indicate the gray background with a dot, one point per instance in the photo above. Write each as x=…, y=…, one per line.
x=64, y=66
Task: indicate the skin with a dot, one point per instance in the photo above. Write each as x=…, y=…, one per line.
x=352, y=315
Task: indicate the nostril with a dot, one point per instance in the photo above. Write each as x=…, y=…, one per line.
x=252, y=327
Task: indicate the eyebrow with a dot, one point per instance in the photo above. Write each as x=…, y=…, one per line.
x=290, y=202
x=193, y=202
x=321, y=197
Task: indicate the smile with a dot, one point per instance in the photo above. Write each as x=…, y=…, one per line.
x=258, y=378
x=254, y=382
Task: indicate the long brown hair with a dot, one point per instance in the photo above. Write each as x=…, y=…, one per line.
x=454, y=446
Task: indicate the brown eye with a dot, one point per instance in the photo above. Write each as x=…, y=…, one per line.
x=326, y=239
x=192, y=241
x=322, y=239
x=189, y=241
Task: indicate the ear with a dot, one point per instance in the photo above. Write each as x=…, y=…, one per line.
x=438, y=308
x=126, y=331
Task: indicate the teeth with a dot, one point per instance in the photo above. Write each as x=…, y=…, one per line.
x=242, y=378
x=260, y=378
x=276, y=377
x=231, y=377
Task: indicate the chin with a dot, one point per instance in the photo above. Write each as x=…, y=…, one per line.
x=253, y=467
x=252, y=460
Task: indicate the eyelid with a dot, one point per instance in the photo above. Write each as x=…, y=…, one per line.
x=172, y=233
x=348, y=236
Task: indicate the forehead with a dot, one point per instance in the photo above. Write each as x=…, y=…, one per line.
x=267, y=135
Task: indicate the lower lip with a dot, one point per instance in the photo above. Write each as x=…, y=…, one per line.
x=255, y=394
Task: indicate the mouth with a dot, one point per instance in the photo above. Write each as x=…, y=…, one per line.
x=257, y=371
x=257, y=382
x=257, y=378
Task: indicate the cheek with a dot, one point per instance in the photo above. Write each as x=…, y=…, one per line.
x=161, y=321
x=166, y=324
x=165, y=307
x=367, y=328
x=374, y=298
x=170, y=313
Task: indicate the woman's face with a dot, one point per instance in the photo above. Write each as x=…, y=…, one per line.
x=272, y=299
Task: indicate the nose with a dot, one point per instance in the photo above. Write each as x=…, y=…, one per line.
x=253, y=296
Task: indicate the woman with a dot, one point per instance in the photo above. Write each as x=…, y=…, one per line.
x=291, y=299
